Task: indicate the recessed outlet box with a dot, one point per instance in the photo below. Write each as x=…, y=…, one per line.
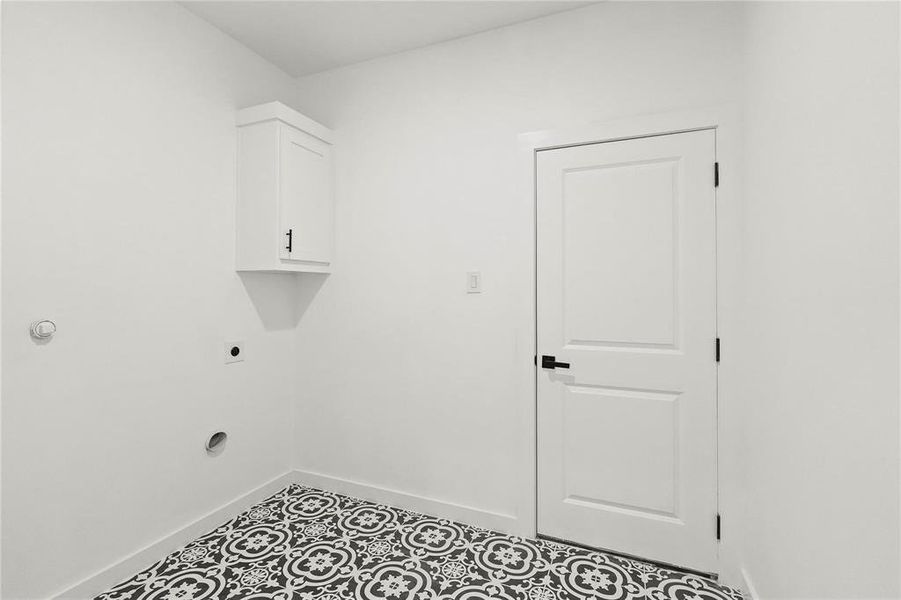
x=234, y=352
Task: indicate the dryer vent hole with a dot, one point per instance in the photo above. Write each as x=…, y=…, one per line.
x=216, y=443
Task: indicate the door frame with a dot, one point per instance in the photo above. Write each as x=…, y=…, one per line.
x=724, y=121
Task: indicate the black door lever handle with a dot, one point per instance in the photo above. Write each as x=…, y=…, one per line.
x=550, y=362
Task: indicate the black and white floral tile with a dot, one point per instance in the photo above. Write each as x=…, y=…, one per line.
x=307, y=544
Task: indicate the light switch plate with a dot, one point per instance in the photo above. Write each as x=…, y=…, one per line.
x=234, y=352
x=474, y=282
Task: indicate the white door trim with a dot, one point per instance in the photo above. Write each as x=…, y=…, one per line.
x=724, y=120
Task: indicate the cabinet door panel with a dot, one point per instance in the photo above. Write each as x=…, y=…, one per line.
x=305, y=204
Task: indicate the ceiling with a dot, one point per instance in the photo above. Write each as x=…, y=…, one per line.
x=305, y=37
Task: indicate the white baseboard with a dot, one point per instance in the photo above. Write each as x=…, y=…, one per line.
x=749, y=589
x=135, y=563
x=440, y=508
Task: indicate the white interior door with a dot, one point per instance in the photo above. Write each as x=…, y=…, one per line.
x=627, y=297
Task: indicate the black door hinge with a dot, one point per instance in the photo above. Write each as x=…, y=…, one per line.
x=716, y=174
x=718, y=525
x=717, y=349
x=535, y=360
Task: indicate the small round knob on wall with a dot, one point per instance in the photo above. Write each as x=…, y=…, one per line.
x=43, y=329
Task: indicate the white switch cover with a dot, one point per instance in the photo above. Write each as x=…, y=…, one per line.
x=474, y=282
x=234, y=352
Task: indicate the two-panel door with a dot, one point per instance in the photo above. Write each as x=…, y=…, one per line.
x=626, y=295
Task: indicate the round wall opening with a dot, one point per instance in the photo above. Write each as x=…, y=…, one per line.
x=216, y=443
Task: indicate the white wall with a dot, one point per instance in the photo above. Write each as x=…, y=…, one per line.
x=404, y=380
x=819, y=354
x=118, y=194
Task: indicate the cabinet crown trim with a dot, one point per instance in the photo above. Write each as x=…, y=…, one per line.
x=276, y=111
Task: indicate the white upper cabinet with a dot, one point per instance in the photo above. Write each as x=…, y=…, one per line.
x=285, y=216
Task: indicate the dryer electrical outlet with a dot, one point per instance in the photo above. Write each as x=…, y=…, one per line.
x=234, y=352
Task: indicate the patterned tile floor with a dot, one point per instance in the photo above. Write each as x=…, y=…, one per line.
x=306, y=544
